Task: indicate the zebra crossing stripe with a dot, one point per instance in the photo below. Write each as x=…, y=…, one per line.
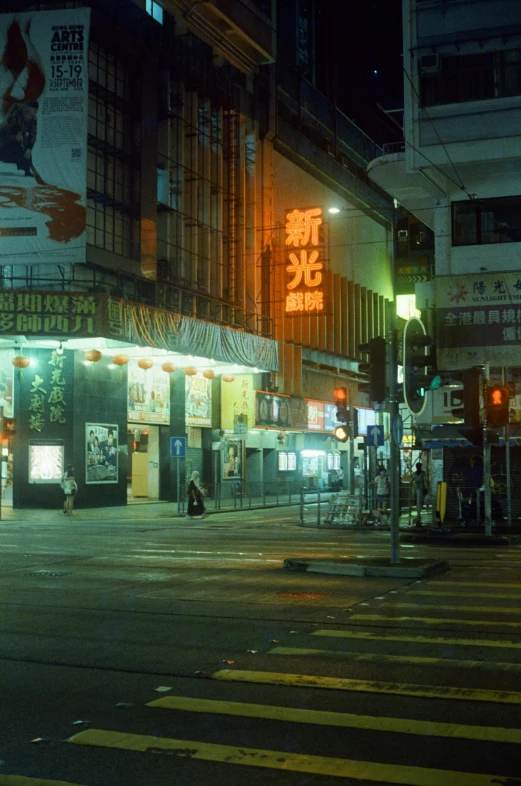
x=21, y=780
x=285, y=761
x=339, y=719
x=350, y=634
x=369, y=686
x=417, y=660
x=473, y=609
x=445, y=593
x=492, y=584
x=434, y=620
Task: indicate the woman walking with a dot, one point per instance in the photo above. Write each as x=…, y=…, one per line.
x=70, y=488
x=195, y=498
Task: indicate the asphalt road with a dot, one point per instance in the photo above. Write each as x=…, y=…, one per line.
x=159, y=651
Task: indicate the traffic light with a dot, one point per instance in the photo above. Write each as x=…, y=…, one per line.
x=341, y=433
x=342, y=412
x=497, y=404
x=469, y=409
x=375, y=369
x=419, y=365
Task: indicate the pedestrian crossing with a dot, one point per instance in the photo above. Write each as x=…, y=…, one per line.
x=462, y=711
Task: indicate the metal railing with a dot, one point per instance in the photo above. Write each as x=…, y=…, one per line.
x=240, y=494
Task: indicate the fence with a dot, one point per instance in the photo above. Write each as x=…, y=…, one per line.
x=239, y=494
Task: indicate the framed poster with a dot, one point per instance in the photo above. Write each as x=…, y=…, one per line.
x=45, y=462
x=148, y=395
x=101, y=453
x=233, y=461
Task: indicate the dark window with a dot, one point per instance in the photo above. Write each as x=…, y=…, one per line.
x=486, y=221
x=471, y=77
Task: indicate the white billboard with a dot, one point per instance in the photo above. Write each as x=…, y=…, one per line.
x=43, y=136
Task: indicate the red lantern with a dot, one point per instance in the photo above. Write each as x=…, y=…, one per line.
x=120, y=360
x=190, y=371
x=169, y=367
x=145, y=363
x=209, y=374
x=227, y=377
x=93, y=355
x=21, y=361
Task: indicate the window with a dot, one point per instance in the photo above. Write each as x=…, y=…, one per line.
x=475, y=77
x=155, y=11
x=486, y=221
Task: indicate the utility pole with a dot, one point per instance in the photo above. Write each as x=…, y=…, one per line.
x=486, y=459
x=395, y=450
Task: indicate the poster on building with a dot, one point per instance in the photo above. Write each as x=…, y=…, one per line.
x=6, y=382
x=478, y=320
x=237, y=402
x=233, y=459
x=43, y=135
x=275, y=411
x=46, y=463
x=148, y=394
x=101, y=448
x=198, y=402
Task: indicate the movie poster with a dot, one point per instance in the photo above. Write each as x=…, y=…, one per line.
x=148, y=394
x=43, y=135
x=101, y=447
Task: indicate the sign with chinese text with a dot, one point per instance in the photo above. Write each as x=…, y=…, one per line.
x=478, y=320
x=43, y=135
x=51, y=314
x=148, y=394
x=304, y=282
x=198, y=403
x=49, y=398
x=237, y=400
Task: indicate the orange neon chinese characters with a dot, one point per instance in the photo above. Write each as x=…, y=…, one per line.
x=305, y=267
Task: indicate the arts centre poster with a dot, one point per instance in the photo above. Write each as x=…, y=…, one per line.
x=43, y=136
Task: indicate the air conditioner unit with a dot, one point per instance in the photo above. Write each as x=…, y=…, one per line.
x=403, y=234
x=429, y=64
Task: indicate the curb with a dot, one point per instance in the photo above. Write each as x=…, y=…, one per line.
x=411, y=569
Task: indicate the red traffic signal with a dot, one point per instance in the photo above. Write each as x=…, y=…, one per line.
x=497, y=405
x=340, y=395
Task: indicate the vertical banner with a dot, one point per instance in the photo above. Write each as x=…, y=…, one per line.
x=43, y=135
x=148, y=394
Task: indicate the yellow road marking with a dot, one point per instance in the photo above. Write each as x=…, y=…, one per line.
x=21, y=780
x=456, y=607
x=369, y=686
x=349, y=634
x=339, y=719
x=288, y=762
x=376, y=657
x=494, y=595
x=434, y=620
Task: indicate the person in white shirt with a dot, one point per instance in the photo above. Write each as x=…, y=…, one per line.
x=70, y=488
x=382, y=489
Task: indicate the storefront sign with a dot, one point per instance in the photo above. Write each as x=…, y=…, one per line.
x=274, y=411
x=43, y=135
x=304, y=287
x=50, y=314
x=316, y=420
x=49, y=395
x=101, y=449
x=478, y=320
x=148, y=394
x=198, y=406
x=237, y=400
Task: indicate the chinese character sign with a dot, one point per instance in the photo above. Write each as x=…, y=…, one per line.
x=43, y=135
x=304, y=290
x=478, y=319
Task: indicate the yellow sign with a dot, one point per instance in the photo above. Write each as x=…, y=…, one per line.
x=305, y=267
x=237, y=399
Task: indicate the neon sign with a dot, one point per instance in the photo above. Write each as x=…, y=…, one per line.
x=305, y=268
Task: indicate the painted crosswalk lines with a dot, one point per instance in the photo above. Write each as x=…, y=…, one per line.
x=450, y=594
x=369, y=686
x=21, y=780
x=285, y=761
x=442, y=640
x=339, y=719
x=434, y=620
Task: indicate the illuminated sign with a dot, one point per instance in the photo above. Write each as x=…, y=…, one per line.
x=304, y=291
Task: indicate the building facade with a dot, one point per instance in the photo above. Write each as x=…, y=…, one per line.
x=155, y=294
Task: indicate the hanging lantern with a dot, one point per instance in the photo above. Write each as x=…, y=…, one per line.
x=21, y=361
x=169, y=368
x=227, y=377
x=145, y=363
x=120, y=360
x=209, y=374
x=93, y=355
x=190, y=371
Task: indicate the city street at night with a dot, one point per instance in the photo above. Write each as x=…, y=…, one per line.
x=141, y=648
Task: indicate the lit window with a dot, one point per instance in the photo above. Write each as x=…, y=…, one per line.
x=155, y=11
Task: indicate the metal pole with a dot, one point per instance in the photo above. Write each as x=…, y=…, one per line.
x=395, y=450
x=486, y=461
x=506, y=432
x=178, y=486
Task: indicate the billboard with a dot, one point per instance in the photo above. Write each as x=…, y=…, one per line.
x=101, y=453
x=198, y=401
x=43, y=135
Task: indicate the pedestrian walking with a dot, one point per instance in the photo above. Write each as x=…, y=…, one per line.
x=195, y=497
x=419, y=480
x=70, y=487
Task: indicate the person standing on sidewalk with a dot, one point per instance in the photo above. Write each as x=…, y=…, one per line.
x=382, y=490
x=70, y=488
x=419, y=479
x=195, y=498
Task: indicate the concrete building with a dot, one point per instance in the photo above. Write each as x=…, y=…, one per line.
x=178, y=311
